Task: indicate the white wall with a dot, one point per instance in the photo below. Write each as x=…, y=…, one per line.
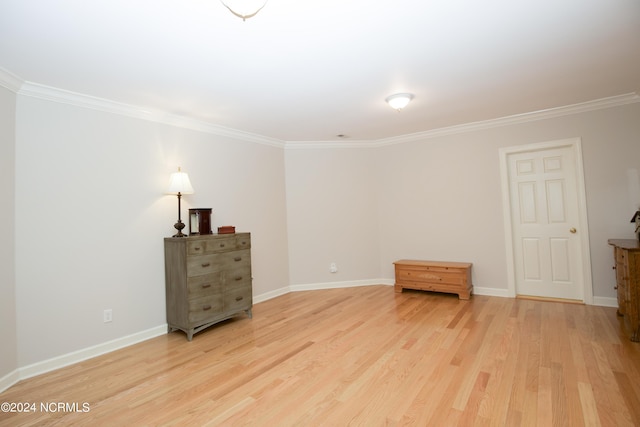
x=8, y=349
x=440, y=198
x=91, y=218
x=332, y=215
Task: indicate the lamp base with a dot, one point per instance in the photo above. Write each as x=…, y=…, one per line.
x=179, y=226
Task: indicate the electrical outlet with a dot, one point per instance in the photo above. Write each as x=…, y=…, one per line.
x=107, y=315
x=333, y=267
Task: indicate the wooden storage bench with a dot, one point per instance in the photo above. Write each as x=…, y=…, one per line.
x=451, y=277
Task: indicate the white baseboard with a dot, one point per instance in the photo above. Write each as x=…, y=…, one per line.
x=335, y=285
x=605, y=301
x=271, y=294
x=8, y=380
x=504, y=293
x=492, y=292
x=89, y=352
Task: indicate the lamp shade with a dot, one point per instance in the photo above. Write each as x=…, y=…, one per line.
x=179, y=183
x=399, y=100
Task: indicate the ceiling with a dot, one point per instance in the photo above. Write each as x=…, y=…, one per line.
x=312, y=70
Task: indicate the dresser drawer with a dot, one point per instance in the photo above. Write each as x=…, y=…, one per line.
x=236, y=259
x=207, y=264
x=203, y=246
x=243, y=241
x=238, y=277
x=621, y=274
x=204, y=264
x=208, y=246
x=203, y=308
x=209, y=284
x=237, y=298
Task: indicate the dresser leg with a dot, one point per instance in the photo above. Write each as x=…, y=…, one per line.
x=397, y=288
x=249, y=313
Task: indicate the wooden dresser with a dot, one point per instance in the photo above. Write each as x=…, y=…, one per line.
x=451, y=277
x=207, y=280
x=627, y=265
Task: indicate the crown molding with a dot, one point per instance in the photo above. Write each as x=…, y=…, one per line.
x=62, y=96
x=598, y=104
x=21, y=87
x=296, y=145
x=10, y=80
x=206, y=127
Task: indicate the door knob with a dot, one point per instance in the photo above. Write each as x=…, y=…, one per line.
x=572, y=230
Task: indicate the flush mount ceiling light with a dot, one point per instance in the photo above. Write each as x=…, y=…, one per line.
x=244, y=8
x=399, y=100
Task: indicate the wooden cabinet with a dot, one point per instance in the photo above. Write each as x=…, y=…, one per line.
x=207, y=280
x=451, y=277
x=627, y=266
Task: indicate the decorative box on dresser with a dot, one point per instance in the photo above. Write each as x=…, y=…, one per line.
x=627, y=266
x=207, y=280
x=451, y=277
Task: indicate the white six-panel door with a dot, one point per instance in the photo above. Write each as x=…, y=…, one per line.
x=546, y=222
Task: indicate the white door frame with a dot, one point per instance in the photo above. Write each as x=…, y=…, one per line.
x=576, y=145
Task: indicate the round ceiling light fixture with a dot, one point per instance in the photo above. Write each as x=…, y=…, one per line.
x=399, y=100
x=244, y=8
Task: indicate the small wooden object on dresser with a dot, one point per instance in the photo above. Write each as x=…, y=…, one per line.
x=627, y=259
x=451, y=277
x=207, y=280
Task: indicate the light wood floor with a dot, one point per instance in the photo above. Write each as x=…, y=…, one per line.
x=363, y=357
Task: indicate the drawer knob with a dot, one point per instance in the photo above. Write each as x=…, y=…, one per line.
x=222, y=245
x=238, y=278
x=238, y=258
x=206, y=285
x=196, y=248
x=206, y=307
x=206, y=264
x=239, y=298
